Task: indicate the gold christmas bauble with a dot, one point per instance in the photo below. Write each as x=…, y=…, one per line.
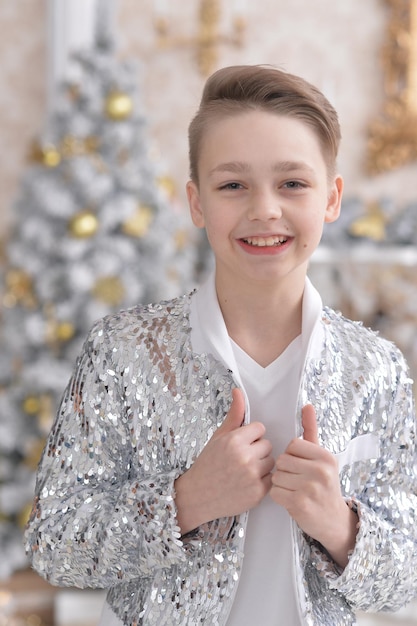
x=64, y=331
x=32, y=405
x=59, y=332
x=51, y=157
x=137, y=225
x=118, y=106
x=371, y=225
x=19, y=289
x=47, y=155
x=181, y=239
x=167, y=184
x=40, y=407
x=83, y=225
x=110, y=290
x=91, y=144
x=72, y=146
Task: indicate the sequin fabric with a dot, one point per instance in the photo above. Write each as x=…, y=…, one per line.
x=139, y=409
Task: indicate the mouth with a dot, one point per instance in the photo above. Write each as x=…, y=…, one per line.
x=263, y=242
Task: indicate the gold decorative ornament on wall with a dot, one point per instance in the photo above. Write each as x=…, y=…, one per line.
x=209, y=37
x=393, y=136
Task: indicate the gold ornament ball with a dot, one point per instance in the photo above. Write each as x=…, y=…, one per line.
x=110, y=290
x=47, y=155
x=64, y=331
x=181, y=239
x=40, y=407
x=167, y=184
x=118, y=105
x=72, y=146
x=51, y=157
x=83, y=225
x=371, y=225
x=137, y=225
x=59, y=332
x=32, y=405
x=19, y=289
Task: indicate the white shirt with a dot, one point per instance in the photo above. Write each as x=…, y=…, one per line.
x=265, y=594
x=266, y=590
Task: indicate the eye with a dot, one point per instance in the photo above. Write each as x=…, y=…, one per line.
x=294, y=184
x=232, y=186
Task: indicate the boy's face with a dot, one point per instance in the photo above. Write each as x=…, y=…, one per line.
x=263, y=196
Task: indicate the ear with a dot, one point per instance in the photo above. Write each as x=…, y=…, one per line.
x=334, y=200
x=193, y=196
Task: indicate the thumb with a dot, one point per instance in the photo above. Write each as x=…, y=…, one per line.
x=236, y=413
x=309, y=422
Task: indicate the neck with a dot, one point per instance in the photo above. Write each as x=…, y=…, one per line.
x=263, y=320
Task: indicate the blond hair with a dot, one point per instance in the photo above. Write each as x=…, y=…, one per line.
x=240, y=88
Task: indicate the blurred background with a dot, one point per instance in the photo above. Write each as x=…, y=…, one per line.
x=95, y=101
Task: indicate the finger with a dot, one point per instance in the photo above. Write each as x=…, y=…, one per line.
x=291, y=463
x=236, y=414
x=262, y=448
x=287, y=482
x=309, y=423
x=267, y=466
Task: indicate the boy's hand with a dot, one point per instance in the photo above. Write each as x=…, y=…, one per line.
x=231, y=475
x=306, y=483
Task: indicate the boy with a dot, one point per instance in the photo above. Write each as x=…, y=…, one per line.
x=240, y=455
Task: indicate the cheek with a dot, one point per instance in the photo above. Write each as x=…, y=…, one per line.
x=214, y=233
x=218, y=234
x=312, y=231
x=214, y=221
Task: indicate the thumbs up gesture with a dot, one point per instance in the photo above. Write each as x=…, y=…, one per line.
x=231, y=475
x=306, y=483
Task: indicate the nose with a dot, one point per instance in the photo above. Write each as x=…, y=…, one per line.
x=264, y=205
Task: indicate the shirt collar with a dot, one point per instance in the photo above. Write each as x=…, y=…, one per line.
x=209, y=332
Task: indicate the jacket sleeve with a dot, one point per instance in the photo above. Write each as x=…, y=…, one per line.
x=382, y=571
x=95, y=521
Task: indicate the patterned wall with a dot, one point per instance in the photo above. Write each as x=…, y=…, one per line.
x=22, y=90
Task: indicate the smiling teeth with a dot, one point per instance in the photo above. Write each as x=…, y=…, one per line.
x=265, y=241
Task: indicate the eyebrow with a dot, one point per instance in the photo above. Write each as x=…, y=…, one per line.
x=291, y=166
x=240, y=167
x=235, y=167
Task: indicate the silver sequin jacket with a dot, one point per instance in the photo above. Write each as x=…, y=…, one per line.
x=138, y=410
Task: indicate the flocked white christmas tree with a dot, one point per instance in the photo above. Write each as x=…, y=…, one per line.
x=95, y=231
